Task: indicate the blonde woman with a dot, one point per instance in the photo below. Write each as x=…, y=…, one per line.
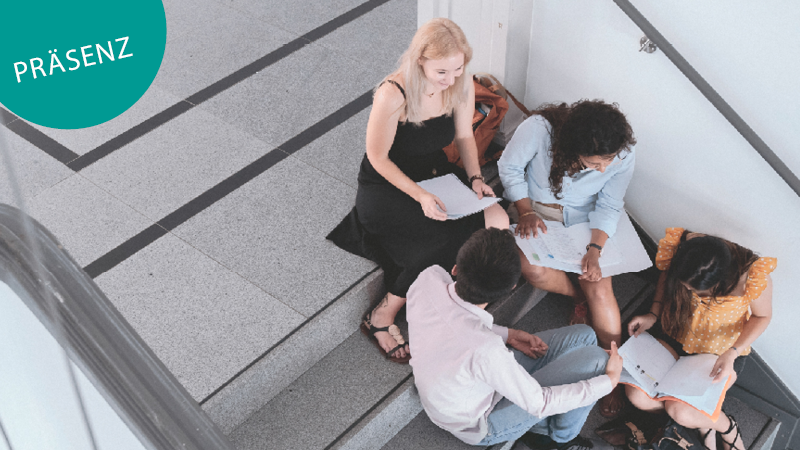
x=417, y=110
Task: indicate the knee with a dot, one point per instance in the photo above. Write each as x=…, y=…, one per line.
x=600, y=294
x=638, y=398
x=533, y=274
x=679, y=412
x=584, y=335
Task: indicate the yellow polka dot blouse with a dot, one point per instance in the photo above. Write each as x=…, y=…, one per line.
x=716, y=325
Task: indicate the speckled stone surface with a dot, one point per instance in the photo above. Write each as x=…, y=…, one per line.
x=165, y=169
x=303, y=348
x=202, y=55
x=294, y=93
x=274, y=232
x=339, y=152
x=298, y=17
x=203, y=321
x=87, y=220
x=379, y=38
x=34, y=170
x=83, y=140
x=322, y=403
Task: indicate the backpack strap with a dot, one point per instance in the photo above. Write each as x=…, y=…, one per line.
x=637, y=434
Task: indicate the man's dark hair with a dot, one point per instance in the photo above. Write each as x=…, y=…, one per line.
x=487, y=266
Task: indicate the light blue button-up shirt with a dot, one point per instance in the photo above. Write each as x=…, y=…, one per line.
x=589, y=196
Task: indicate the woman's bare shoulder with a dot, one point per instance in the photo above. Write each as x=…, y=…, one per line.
x=388, y=96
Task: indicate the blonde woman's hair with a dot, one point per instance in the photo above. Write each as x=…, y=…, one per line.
x=438, y=39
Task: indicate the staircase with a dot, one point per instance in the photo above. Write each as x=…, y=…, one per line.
x=186, y=210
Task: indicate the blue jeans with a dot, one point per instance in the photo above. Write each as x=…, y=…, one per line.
x=573, y=355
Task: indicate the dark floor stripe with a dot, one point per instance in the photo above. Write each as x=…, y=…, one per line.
x=223, y=84
x=218, y=192
x=42, y=141
x=6, y=116
x=125, y=250
x=129, y=136
x=368, y=412
x=285, y=338
x=226, y=186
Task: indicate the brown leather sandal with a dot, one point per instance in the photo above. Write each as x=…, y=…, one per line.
x=394, y=331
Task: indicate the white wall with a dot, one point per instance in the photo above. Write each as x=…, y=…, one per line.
x=693, y=168
x=484, y=22
x=38, y=406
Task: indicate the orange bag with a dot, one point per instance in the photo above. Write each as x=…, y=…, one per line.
x=484, y=126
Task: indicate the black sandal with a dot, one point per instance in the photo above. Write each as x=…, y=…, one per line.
x=705, y=436
x=733, y=425
x=394, y=332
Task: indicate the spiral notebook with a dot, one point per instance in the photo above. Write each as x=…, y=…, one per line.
x=650, y=367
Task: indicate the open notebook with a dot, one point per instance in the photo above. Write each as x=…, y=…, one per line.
x=650, y=367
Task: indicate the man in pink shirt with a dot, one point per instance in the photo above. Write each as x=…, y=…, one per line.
x=472, y=385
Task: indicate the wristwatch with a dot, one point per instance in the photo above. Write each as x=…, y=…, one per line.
x=595, y=246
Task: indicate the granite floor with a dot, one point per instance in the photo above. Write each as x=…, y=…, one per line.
x=202, y=211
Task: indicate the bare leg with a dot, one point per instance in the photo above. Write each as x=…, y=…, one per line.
x=495, y=216
x=641, y=401
x=545, y=278
x=383, y=316
x=692, y=418
x=605, y=311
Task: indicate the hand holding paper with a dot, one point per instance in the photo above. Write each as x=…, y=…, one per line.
x=460, y=200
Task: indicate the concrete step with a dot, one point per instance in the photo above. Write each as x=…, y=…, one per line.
x=280, y=366
x=352, y=398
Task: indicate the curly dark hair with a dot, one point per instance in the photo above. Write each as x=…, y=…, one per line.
x=704, y=262
x=584, y=128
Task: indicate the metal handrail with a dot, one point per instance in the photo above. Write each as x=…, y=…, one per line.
x=702, y=85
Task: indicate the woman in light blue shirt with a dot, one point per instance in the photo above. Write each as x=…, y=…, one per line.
x=573, y=163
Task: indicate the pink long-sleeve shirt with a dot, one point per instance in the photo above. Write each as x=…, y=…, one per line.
x=462, y=366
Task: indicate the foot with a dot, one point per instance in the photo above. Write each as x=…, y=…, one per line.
x=580, y=314
x=381, y=317
x=732, y=438
x=611, y=405
x=709, y=438
x=536, y=441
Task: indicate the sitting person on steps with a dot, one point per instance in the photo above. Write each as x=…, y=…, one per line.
x=572, y=164
x=713, y=296
x=418, y=109
x=471, y=385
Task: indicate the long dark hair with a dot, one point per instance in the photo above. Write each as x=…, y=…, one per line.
x=704, y=262
x=585, y=128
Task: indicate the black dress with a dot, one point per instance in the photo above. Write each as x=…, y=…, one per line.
x=389, y=227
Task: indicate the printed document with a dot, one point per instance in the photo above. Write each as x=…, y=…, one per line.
x=563, y=248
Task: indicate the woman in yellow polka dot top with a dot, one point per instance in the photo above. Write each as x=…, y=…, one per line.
x=713, y=296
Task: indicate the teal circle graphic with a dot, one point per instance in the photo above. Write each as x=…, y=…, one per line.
x=76, y=64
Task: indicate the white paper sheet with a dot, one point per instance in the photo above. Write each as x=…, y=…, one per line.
x=459, y=200
x=647, y=361
x=689, y=376
x=622, y=253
